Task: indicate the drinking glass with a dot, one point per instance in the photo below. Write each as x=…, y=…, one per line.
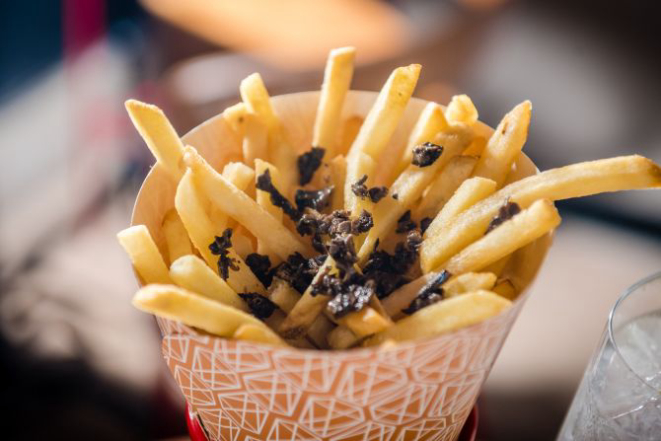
x=619, y=397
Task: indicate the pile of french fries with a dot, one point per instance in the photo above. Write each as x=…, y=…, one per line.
x=466, y=206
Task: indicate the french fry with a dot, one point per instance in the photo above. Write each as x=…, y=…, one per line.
x=505, y=144
x=258, y=334
x=239, y=174
x=176, y=237
x=337, y=79
x=308, y=306
x=576, y=180
x=191, y=273
x=506, y=289
x=430, y=122
x=257, y=101
x=192, y=309
x=236, y=118
x=468, y=282
x=402, y=297
x=476, y=147
x=365, y=322
x=497, y=267
x=408, y=188
x=319, y=330
x=255, y=141
x=342, y=338
x=461, y=109
x=144, y=254
x=241, y=244
x=531, y=223
x=338, y=173
x=263, y=198
x=468, y=194
x=246, y=211
x=444, y=185
x=282, y=294
x=363, y=165
x=159, y=135
x=192, y=207
x=443, y=317
x=380, y=124
x=350, y=129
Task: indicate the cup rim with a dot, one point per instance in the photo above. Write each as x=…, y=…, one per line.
x=611, y=315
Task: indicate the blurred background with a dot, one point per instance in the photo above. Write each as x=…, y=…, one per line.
x=77, y=362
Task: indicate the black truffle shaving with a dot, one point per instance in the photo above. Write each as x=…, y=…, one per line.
x=315, y=199
x=429, y=294
x=387, y=270
x=506, y=212
x=260, y=265
x=219, y=247
x=363, y=224
x=308, y=163
x=338, y=222
x=260, y=306
x=353, y=299
x=343, y=251
x=299, y=271
x=424, y=224
x=375, y=194
x=405, y=223
x=426, y=154
x=265, y=183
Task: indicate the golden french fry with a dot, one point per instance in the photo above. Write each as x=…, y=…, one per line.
x=319, y=330
x=283, y=295
x=506, y=289
x=476, y=147
x=236, y=117
x=362, y=165
x=442, y=317
x=576, y=180
x=380, y=124
x=263, y=198
x=338, y=173
x=257, y=101
x=461, y=109
x=193, y=207
x=258, y=334
x=255, y=141
x=159, y=135
x=444, y=185
x=176, y=237
x=246, y=211
x=408, y=188
x=350, y=129
x=239, y=174
x=365, y=322
x=430, y=122
x=144, y=254
x=241, y=244
x=402, y=297
x=505, y=144
x=468, y=282
x=192, y=309
x=191, y=273
x=530, y=224
x=497, y=267
x=308, y=306
x=468, y=194
x=337, y=80
x=342, y=338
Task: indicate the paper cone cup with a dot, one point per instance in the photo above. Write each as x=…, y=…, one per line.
x=423, y=389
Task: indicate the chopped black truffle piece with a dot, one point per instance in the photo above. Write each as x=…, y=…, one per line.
x=395, y=196
x=405, y=223
x=353, y=299
x=260, y=265
x=265, y=183
x=375, y=194
x=426, y=154
x=363, y=224
x=219, y=247
x=315, y=199
x=429, y=294
x=506, y=212
x=343, y=251
x=425, y=222
x=308, y=163
x=260, y=306
x=299, y=271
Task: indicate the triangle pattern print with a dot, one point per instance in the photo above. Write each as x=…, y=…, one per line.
x=417, y=390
